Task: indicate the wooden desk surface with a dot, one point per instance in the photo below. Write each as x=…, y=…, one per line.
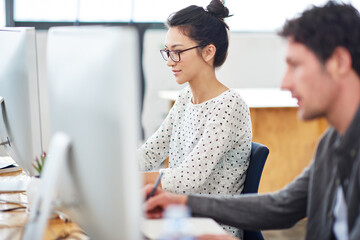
x=12, y=223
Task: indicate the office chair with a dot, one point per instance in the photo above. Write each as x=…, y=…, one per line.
x=258, y=157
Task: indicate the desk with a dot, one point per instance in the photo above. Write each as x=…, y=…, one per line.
x=12, y=223
x=275, y=124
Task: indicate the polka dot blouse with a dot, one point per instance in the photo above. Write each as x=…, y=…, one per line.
x=208, y=145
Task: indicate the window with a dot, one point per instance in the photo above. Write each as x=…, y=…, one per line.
x=249, y=15
x=98, y=10
x=72, y=10
x=2, y=14
x=159, y=10
x=264, y=15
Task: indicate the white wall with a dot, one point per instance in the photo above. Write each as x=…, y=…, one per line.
x=255, y=60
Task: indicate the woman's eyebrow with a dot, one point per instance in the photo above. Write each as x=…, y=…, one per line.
x=175, y=45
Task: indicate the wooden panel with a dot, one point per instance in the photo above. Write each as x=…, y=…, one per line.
x=291, y=141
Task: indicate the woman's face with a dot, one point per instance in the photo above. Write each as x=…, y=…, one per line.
x=191, y=62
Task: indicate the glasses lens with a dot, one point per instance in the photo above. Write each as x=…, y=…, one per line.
x=164, y=55
x=175, y=56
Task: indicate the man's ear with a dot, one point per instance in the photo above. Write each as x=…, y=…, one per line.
x=208, y=53
x=340, y=63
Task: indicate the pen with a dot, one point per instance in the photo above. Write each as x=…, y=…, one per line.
x=155, y=186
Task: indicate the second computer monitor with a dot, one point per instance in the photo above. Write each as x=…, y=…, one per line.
x=20, y=127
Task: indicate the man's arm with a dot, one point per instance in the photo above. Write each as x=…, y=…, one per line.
x=254, y=212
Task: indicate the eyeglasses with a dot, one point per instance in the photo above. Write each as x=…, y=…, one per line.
x=174, y=55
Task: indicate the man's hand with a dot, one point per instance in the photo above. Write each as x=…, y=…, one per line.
x=155, y=205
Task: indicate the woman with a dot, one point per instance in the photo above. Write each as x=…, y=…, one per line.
x=207, y=133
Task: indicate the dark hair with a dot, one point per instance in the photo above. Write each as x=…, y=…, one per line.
x=322, y=29
x=205, y=26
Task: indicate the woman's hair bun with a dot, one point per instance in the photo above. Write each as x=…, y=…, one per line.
x=217, y=9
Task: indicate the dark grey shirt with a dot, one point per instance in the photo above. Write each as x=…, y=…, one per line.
x=311, y=195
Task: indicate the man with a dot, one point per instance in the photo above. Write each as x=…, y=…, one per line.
x=323, y=74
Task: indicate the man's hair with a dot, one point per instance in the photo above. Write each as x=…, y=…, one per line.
x=322, y=29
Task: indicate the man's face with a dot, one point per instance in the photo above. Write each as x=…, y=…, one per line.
x=309, y=82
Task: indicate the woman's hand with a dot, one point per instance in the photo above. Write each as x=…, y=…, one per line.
x=155, y=205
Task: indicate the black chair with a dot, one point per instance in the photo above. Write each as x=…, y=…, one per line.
x=258, y=157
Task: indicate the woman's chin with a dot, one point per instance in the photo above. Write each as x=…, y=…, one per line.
x=180, y=81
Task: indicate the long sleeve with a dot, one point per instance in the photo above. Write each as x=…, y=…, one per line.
x=156, y=149
x=281, y=209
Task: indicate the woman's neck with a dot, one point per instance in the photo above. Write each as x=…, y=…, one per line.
x=206, y=89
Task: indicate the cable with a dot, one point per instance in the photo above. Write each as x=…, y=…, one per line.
x=11, y=209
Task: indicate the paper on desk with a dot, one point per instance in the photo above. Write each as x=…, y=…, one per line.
x=17, y=183
x=153, y=228
x=14, y=185
x=6, y=161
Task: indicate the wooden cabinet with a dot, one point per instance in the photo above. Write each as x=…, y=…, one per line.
x=292, y=143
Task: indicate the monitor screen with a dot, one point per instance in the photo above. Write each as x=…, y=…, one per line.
x=93, y=78
x=20, y=127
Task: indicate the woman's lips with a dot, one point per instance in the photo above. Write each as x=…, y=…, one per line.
x=176, y=72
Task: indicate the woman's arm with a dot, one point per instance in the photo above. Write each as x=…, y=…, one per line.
x=156, y=149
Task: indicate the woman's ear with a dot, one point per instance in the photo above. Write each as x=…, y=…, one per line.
x=208, y=53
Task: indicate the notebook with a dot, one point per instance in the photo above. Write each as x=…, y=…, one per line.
x=9, y=167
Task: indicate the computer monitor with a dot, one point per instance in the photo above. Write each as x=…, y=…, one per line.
x=20, y=126
x=91, y=171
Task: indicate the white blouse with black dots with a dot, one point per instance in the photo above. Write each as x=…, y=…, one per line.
x=208, y=145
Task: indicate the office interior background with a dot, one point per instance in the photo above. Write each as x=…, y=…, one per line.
x=255, y=57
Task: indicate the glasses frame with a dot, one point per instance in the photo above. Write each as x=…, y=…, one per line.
x=166, y=54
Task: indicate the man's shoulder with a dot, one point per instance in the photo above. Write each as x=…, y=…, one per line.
x=327, y=139
x=324, y=149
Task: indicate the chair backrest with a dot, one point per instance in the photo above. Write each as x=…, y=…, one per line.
x=258, y=158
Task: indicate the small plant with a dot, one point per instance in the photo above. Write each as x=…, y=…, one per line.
x=39, y=163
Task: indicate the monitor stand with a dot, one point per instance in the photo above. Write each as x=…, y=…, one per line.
x=6, y=141
x=42, y=206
